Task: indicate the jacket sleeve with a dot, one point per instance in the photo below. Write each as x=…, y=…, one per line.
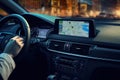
x=7, y=65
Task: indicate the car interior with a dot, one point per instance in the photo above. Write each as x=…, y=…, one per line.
x=61, y=48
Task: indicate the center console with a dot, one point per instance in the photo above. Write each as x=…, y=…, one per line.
x=65, y=58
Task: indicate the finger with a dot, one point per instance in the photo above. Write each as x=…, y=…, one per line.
x=15, y=37
x=21, y=45
x=20, y=39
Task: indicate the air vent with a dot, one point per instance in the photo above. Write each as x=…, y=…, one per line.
x=82, y=49
x=56, y=45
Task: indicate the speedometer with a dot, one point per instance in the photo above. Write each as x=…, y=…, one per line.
x=43, y=33
x=39, y=32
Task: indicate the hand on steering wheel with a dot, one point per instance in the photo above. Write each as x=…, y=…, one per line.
x=14, y=46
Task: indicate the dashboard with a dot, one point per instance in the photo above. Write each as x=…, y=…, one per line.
x=88, y=53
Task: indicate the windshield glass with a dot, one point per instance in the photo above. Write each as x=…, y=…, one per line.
x=74, y=8
x=2, y=12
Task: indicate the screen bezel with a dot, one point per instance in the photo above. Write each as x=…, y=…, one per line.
x=92, y=29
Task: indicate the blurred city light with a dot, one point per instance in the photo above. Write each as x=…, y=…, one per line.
x=74, y=8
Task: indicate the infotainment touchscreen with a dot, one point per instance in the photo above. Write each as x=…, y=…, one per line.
x=74, y=28
x=71, y=27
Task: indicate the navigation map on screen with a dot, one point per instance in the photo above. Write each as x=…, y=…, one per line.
x=74, y=28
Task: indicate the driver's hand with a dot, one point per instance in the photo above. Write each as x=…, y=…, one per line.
x=14, y=46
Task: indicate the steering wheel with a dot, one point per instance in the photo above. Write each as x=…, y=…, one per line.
x=5, y=36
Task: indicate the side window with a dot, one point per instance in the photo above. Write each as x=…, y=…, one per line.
x=2, y=12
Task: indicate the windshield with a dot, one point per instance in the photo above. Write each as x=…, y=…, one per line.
x=74, y=8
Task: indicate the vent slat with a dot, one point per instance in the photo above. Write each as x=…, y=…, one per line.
x=80, y=49
x=56, y=45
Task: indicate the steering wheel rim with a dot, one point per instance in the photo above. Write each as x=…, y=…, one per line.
x=23, y=24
